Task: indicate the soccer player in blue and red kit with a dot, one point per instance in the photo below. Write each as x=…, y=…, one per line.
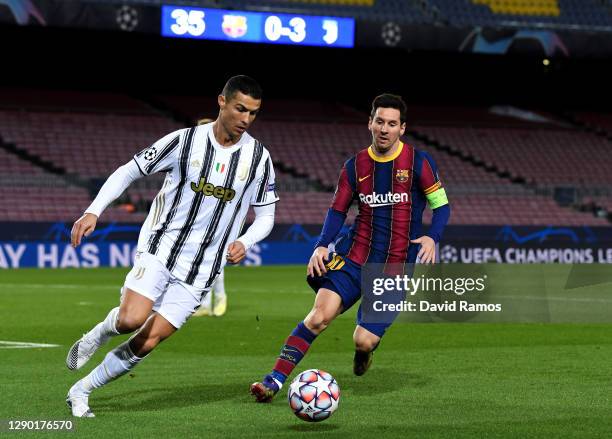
x=392, y=183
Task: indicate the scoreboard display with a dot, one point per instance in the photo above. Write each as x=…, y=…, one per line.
x=257, y=27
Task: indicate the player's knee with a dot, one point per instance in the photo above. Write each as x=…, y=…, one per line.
x=317, y=320
x=365, y=343
x=127, y=323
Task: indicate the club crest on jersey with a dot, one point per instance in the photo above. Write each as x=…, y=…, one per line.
x=243, y=171
x=402, y=175
x=378, y=200
x=222, y=193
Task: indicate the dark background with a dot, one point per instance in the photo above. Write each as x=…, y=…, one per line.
x=142, y=63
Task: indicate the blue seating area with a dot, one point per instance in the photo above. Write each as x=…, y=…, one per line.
x=587, y=13
x=404, y=11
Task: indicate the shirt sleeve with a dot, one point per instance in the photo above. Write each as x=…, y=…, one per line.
x=343, y=197
x=261, y=227
x=265, y=189
x=162, y=155
x=430, y=183
x=114, y=186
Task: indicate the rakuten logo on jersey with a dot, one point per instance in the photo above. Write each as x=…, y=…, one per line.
x=379, y=200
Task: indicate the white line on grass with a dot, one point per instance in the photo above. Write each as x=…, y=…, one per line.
x=59, y=286
x=4, y=344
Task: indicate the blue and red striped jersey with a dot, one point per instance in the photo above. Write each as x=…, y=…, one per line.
x=391, y=193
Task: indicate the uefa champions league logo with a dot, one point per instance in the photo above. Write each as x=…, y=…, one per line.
x=150, y=153
x=391, y=34
x=127, y=18
x=449, y=254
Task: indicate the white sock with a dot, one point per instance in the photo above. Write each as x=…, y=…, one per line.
x=205, y=301
x=219, y=285
x=106, y=329
x=117, y=362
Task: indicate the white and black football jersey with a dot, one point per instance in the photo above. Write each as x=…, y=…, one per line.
x=204, y=200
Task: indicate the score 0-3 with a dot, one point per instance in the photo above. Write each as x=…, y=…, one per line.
x=296, y=31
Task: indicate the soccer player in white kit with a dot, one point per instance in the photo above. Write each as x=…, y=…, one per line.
x=214, y=172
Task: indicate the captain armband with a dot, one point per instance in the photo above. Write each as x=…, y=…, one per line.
x=437, y=198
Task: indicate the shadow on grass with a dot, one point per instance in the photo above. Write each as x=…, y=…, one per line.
x=160, y=398
x=381, y=380
x=313, y=427
x=376, y=381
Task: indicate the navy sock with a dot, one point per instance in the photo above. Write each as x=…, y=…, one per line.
x=293, y=351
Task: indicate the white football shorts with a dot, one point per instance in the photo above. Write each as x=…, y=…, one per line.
x=172, y=298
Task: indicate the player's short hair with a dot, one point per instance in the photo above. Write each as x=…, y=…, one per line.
x=243, y=84
x=388, y=100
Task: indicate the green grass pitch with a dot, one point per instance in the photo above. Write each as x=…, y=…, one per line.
x=427, y=380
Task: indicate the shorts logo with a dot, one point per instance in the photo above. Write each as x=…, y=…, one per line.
x=150, y=154
x=336, y=263
x=402, y=175
x=220, y=192
x=140, y=271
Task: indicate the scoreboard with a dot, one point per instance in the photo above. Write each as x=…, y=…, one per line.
x=257, y=27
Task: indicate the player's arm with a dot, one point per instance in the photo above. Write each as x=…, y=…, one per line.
x=163, y=154
x=258, y=231
x=334, y=220
x=263, y=200
x=114, y=186
x=438, y=201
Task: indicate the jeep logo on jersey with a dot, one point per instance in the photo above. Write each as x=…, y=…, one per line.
x=220, y=192
x=379, y=200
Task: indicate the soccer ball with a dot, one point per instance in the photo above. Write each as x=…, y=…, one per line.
x=314, y=395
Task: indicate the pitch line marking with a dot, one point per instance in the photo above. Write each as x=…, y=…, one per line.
x=5, y=344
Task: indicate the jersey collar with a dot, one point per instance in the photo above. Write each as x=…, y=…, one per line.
x=376, y=158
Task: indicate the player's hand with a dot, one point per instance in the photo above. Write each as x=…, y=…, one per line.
x=317, y=262
x=427, y=253
x=236, y=252
x=82, y=227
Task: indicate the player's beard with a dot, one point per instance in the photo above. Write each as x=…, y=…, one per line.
x=387, y=147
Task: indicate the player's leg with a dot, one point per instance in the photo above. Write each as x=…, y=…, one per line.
x=205, y=308
x=124, y=319
x=118, y=362
x=327, y=306
x=371, y=327
x=219, y=297
x=365, y=344
x=171, y=311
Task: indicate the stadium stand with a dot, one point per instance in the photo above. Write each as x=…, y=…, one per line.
x=543, y=13
x=557, y=13
x=478, y=153
x=600, y=122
